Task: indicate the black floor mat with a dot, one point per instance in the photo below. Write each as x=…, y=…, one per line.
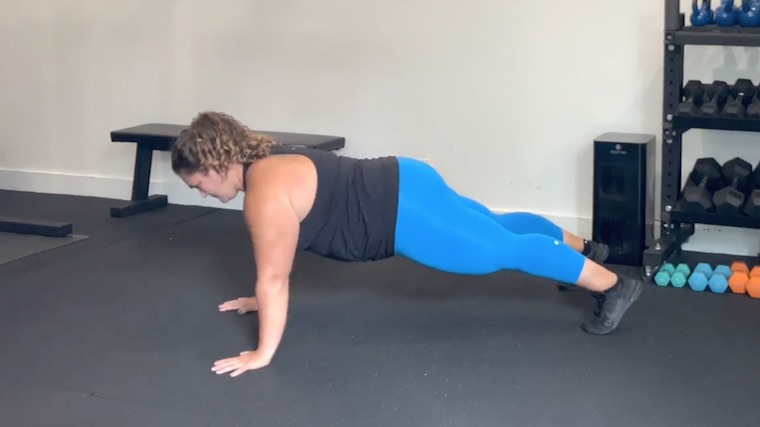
x=127, y=334
x=89, y=216
x=17, y=246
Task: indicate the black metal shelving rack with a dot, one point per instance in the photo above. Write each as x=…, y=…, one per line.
x=677, y=225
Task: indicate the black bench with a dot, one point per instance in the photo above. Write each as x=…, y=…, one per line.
x=160, y=137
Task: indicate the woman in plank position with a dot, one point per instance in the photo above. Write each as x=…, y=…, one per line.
x=302, y=199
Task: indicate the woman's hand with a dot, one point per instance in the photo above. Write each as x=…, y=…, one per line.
x=242, y=305
x=248, y=360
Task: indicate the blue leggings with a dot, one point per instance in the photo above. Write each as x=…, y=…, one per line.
x=440, y=229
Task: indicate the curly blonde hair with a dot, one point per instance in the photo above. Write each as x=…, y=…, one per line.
x=214, y=141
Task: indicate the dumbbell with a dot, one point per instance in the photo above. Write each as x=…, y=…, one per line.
x=718, y=282
x=752, y=205
x=753, y=109
x=662, y=278
x=730, y=200
x=725, y=14
x=699, y=278
x=753, y=287
x=703, y=180
x=670, y=275
x=745, y=281
x=701, y=15
x=705, y=277
x=742, y=93
x=753, y=284
x=748, y=14
x=678, y=279
x=715, y=98
x=739, y=277
x=693, y=94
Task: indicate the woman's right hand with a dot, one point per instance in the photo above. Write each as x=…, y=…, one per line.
x=242, y=305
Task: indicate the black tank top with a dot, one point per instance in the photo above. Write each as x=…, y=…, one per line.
x=354, y=213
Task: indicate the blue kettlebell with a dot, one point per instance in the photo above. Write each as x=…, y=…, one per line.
x=749, y=14
x=701, y=15
x=725, y=14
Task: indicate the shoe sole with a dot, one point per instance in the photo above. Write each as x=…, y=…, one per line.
x=629, y=303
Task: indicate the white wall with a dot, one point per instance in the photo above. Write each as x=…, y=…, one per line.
x=504, y=98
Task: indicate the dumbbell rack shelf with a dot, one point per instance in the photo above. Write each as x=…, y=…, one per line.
x=713, y=35
x=680, y=216
x=678, y=225
x=684, y=123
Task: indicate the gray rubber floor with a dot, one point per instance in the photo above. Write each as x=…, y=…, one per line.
x=16, y=246
x=122, y=330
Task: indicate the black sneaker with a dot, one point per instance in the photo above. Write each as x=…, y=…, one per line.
x=613, y=305
x=599, y=297
x=598, y=252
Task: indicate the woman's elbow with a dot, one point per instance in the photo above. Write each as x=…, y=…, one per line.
x=272, y=283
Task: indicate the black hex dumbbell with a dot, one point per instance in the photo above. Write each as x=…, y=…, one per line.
x=753, y=109
x=704, y=178
x=752, y=206
x=714, y=99
x=693, y=95
x=737, y=174
x=742, y=93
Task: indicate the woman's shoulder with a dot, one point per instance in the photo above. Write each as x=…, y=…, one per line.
x=280, y=168
x=291, y=179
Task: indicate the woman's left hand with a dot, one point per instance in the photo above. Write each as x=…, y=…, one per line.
x=248, y=360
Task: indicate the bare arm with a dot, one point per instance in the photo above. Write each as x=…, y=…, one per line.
x=274, y=227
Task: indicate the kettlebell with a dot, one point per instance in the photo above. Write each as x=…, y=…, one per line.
x=725, y=14
x=749, y=14
x=701, y=15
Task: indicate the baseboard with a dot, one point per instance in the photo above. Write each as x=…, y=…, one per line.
x=711, y=239
x=110, y=187
x=63, y=183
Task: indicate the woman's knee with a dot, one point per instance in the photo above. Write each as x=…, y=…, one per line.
x=546, y=256
x=530, y=223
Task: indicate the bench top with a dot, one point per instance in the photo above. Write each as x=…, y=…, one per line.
x=161, y=136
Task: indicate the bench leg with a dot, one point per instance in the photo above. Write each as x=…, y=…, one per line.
x=140, y=202
x=141, y=178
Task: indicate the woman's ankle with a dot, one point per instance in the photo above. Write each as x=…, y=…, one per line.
x=597, y=278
